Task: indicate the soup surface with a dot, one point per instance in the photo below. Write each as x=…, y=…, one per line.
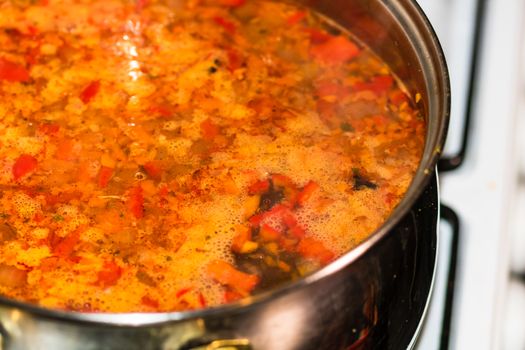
x=174, y=155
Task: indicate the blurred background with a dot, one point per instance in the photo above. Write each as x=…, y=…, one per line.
x=482, y=304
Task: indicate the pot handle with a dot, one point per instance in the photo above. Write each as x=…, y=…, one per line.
x=225, y=344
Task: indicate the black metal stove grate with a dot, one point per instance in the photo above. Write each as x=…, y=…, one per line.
x=453, y=162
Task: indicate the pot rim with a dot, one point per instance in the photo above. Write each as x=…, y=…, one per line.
x=407, y=8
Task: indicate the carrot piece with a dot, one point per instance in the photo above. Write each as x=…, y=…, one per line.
x=231, y=296
x=295, y=18
x=153, y=169
x=11, y=276
x=337, y=49
x=226, y=274
x=231, y=3
x=90, y=91
x=209, y=130
x=306, y=192
x=66, y=246
x=258, y=187
x=109, y=275
x=313, y=249
x=147, y=301
x=243, y=235
x=104, y=176
x=228, y=26
x=13, y=72
x=136, y=202
x=24, y=164
x=268, y=233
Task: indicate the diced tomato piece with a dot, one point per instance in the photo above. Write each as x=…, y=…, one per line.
x=234, y=60
x=49, y=129
x=109, y=275
x=337, y=49
x=209, y=130
x=379, y=84
x=256, y=220
x=104, y=176
x=11, y=276
x=136, y=202
x=32, y=30
x=24, y=165
x=13, y=72
x=153, y=169
x=182, y=292
x=90, y=91
x=147, y=301
x=243, y=235
x=66, y=246
x=313, y=249
x=227, y=25
x=226, y=274
x=65, y=149
x=268, y=233
x=259, y=187
x=231, y=3
x=295, y=17
x=307, y=192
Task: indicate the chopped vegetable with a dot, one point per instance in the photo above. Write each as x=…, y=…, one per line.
x=13, y=72
x=226, y=274
x=90, y=91
x=24, y=165
x=335, y=50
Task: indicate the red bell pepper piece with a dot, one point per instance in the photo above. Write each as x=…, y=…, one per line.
x=90, y=91
x=337, y=49
x=202, y=300
x=109, y=275
x=66, y=246
x=231, y=296
x=136, y=202
x=209, y=130
x=49, y=129
x=153, y=169
x=182, y=292
x=378, y=84
x=226, y=274
x=313, y=249
x=259, y=187
x=306, y=192
x=104, y=176
x=227, y=25
x=13, y=72
x=317, y=36
x=147, y=301
x=234, y=60
x=24, y=165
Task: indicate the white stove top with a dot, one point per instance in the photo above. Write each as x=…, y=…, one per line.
x=484, y=189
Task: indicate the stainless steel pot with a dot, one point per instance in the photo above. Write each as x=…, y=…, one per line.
x=374, y=296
